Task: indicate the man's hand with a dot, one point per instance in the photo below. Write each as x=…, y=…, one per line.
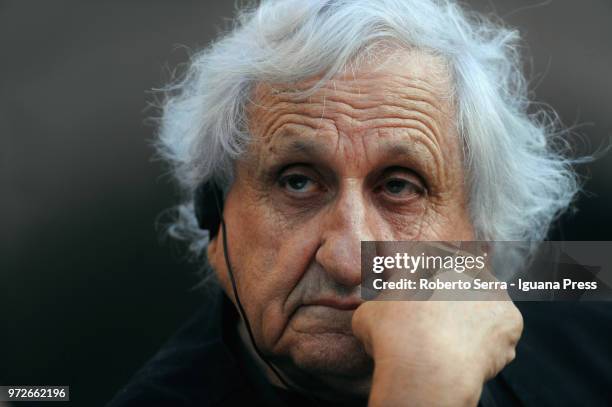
x=436, y=353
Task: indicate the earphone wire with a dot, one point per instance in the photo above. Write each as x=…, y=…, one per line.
x=243, y=312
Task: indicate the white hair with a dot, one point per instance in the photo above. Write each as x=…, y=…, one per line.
x=517, y=171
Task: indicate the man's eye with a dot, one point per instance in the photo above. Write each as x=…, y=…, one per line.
x=297, y=183
x=401, y=188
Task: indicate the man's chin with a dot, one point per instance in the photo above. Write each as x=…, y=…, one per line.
x=331, y=355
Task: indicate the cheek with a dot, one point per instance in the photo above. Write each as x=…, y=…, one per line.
x=269, y=256
x=442, y=218
x=448, y=220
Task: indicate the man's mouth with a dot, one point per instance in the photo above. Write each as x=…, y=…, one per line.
x=344, y=304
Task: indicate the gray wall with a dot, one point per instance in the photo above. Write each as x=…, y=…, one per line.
x=87, y=290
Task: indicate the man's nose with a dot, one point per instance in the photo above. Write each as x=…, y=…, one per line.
x=346, y=223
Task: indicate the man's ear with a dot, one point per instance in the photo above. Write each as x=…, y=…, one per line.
x=216, y=260
x=213, y=253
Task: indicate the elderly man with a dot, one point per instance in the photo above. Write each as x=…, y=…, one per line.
x=315, y=125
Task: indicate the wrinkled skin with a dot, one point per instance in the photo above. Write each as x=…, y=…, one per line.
x=372, y=155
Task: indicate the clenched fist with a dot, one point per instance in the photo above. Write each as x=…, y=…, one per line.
x=436, y=353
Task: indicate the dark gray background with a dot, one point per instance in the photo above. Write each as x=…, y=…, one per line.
x=87, y=290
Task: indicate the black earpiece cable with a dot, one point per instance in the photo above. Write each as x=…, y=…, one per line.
x=241, y=308
x=243, y=312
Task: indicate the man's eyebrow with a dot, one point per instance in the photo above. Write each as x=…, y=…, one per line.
x=311, y=148
x=398, y=150
x=302, y=147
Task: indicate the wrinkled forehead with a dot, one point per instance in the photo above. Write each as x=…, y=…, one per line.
x=405, y=93
x=377, y=75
